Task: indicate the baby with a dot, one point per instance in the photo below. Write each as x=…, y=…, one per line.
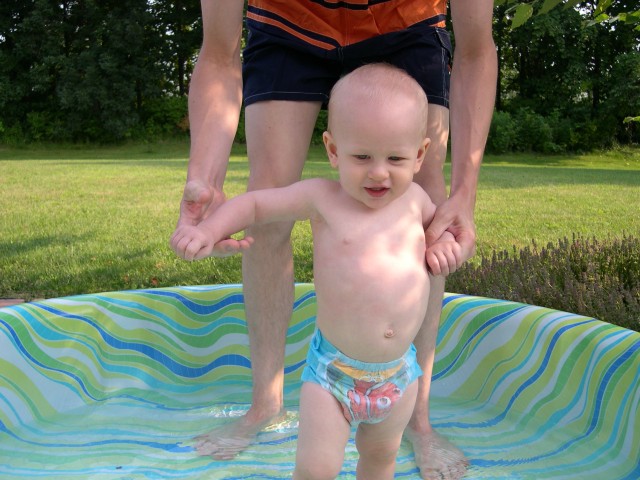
x=370, y=273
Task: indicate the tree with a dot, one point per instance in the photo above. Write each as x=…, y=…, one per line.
x=548, y=55
x=179, y=26
x=29, y=62
x=519, y=11
x=109, y=68
x=563, y=59
x=86, y=78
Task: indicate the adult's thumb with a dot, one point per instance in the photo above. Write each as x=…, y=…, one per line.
x=434, y=231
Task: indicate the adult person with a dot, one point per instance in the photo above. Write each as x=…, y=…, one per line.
x=296, y=51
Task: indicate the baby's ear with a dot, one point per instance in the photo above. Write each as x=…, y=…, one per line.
x=331, y=148
x=422, y=153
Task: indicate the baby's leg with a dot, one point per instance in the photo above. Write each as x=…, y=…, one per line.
x=378, y=443
x=322, y=435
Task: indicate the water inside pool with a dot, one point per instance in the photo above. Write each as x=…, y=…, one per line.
x=129, y=438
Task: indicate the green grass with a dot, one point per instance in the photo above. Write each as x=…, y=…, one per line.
x=89, y=219
x=524, y=198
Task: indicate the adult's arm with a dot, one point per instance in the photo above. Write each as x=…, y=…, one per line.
x=215, y=99
x=473, y=89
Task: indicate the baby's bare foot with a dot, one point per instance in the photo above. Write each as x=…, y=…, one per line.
x=227, y=441
x=436, y=457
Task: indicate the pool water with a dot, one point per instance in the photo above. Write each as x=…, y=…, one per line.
x=115, y=386
x=126, y=438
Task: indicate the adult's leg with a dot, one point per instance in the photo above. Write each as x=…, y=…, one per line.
x=278, y=135
x=435, y=456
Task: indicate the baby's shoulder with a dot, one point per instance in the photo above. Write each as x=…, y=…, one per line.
x=319, y=193
x=416, y=189
x=416, y=192
x=321, y=186
x=419, y=201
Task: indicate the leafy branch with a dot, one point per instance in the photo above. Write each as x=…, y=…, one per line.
x=519, y=12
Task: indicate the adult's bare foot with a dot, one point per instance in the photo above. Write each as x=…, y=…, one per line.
x=227, y=441
x=436, y=457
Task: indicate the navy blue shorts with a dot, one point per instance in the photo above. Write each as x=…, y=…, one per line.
x=276, y=68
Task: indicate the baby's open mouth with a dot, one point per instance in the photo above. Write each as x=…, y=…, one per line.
x=376, y=191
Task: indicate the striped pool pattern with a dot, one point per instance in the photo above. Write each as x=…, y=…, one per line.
x=115, y=386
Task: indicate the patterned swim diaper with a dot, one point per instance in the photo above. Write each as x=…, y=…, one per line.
x=366, y=391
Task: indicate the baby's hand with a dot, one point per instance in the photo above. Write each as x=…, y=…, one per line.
x=192, y=243
x=445, y=256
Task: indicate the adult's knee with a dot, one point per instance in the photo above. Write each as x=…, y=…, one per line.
x=271, y=236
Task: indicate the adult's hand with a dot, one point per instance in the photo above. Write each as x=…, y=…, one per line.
x=456, y=217
x=200, y=200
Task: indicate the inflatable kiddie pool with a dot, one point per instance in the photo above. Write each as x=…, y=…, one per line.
x=115, y=386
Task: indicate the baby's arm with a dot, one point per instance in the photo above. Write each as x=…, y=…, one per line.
x=444, y=256
x=295, y=202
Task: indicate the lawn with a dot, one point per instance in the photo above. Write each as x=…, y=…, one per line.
x=89, y=219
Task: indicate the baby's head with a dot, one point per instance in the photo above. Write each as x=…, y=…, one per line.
x=377, y=132
x=381, y=85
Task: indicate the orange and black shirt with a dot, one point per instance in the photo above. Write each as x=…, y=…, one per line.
x=330, y=24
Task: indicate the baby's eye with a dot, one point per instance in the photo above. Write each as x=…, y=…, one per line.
x=362, y=157
x=395, y=159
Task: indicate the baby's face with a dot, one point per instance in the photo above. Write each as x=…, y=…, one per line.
x=377, y=148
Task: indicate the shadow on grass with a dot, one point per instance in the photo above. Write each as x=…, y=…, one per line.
x=10, y=249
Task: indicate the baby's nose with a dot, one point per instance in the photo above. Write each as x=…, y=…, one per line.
x=378, y=172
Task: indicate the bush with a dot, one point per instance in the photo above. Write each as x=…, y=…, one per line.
x=165, y=117
x=524, y=130
x=12, y=135
x=564, y=133
x=320, y=127
x=533, y=133
x=585, y=276
x=241, y=136
x=527, y=131
x=503, y=133
x=45, y=127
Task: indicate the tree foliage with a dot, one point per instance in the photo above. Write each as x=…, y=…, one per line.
x=577, y=75
x=518, y=12
x=91, y=70
x=106, y=70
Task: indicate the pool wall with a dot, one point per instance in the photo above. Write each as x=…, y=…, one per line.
x=524, y=391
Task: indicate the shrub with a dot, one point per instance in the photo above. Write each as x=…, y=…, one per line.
x=165, y=117
x=585, y=276
x=320, y=127
x=533, y=132
x=564, y=135
x=45, y=127
x=12, y=135
x=241, y=136
x=503, y=133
